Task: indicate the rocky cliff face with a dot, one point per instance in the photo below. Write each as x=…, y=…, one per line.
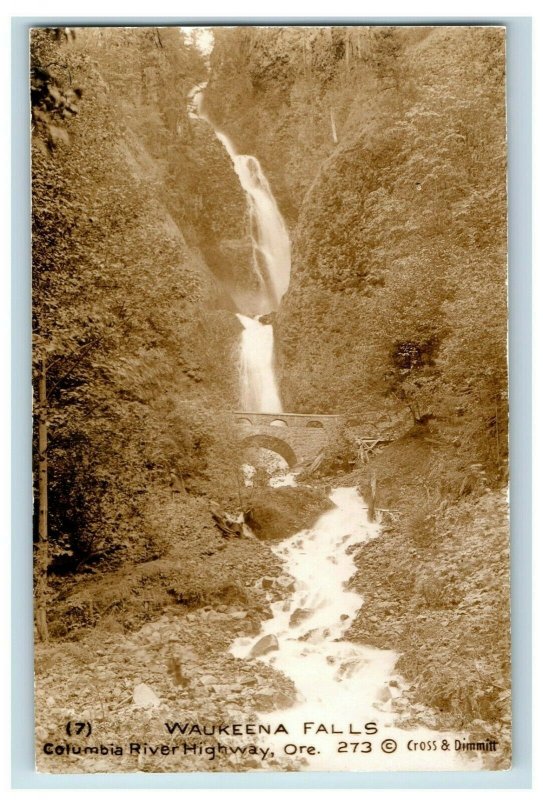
x=217, y=221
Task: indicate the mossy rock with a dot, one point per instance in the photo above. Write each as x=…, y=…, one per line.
x=282, y=512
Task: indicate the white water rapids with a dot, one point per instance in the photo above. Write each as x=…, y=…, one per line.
x=341, y=685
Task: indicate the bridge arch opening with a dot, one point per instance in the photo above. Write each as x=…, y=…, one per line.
x=314, y=423
x=279, y=423
x=243, y=421
x=273, y=443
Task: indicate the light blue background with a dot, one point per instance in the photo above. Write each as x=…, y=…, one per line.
x=519, y=192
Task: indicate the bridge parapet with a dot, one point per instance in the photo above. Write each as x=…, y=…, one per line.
x=288, y=420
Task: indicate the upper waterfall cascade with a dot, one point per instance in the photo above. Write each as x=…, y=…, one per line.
x=271, y=265
x=269, y=235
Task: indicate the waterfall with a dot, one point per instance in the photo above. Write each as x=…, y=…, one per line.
x=271, y=265
x=269, y=236
x=258, y=384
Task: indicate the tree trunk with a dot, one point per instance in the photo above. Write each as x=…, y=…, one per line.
x=373, y=498
x=42, y=559
x=497, y=433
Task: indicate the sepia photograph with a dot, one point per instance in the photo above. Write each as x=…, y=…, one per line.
x=270, y=399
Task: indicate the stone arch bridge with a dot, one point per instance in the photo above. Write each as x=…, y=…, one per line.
x=297, y=438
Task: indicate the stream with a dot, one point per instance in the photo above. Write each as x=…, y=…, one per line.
x=341, y=685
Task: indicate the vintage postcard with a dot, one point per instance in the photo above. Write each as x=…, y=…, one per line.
x=270, y=399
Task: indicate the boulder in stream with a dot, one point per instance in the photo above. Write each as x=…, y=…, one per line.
x=298, y=615
x=279, y=513
x=265, y=645
x=285, y=582
x=384, y=694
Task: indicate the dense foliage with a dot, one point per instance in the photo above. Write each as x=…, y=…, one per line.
x=125, y=309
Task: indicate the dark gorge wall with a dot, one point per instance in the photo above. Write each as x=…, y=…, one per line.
x=132, y=201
